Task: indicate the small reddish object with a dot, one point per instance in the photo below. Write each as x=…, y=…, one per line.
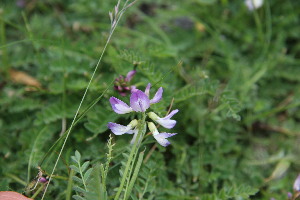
x=10, y=195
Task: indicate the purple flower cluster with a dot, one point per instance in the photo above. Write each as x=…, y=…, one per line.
x=140, y=102
x=122, y=85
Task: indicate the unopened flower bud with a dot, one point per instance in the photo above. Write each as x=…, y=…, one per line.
x=122, y=84
x=43, y=180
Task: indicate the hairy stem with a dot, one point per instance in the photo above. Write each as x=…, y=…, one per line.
x=132, y=156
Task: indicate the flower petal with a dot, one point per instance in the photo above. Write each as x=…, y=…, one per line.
x=139, y=101
x=161, y=138
x=166, y=122
x=157, y=97
x=296, y=185
x=136, y=132
x=133, y=88
x=119, y=106
x=171, y=114
x=130, y=75
x=254, y=4
x=147, y=90
x=119, y=129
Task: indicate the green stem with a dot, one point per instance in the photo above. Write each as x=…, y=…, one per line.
x=272, y=112
x=134, y=176
x=16, y=178
x=3, y=42
x=70, y=185
x=33, y=151
x=37, y=192
x=258, y=25
x=132, y=156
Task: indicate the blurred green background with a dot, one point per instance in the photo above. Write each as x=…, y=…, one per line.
x=233, y=74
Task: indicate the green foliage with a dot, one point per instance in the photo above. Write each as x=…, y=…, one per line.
x=146, y=183
x=96, y=189
x=232, y=73
x=99, y=115
x=235, y=192
x=84, y=175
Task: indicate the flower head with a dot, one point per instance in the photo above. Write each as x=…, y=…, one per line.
x=43, y=180
x=122, y=85
x=140, y=102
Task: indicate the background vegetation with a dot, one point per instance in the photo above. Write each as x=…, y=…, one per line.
x=233, y=74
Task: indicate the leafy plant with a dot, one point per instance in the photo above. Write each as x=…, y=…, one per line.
x=84, y=174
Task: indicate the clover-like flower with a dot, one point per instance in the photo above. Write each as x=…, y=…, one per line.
x=160, y=137
x=140, y=102
x=166, y=122
x=122, y=85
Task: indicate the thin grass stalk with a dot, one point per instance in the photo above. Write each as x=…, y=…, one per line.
x=3, y=42
x=37, y=192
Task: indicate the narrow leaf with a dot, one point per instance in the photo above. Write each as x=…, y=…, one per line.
x=87, y=174
x=77, y=155
x=135, y=174
x=85, y=165
x=77, y=197
x=75, y=178
x=75, y=168
x=78, y=189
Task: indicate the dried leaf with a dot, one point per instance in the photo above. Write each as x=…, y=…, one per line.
x=23, y=78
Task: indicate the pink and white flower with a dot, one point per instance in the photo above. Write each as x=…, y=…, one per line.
x=166, y=122
x=140, y=102
x=160, y=137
